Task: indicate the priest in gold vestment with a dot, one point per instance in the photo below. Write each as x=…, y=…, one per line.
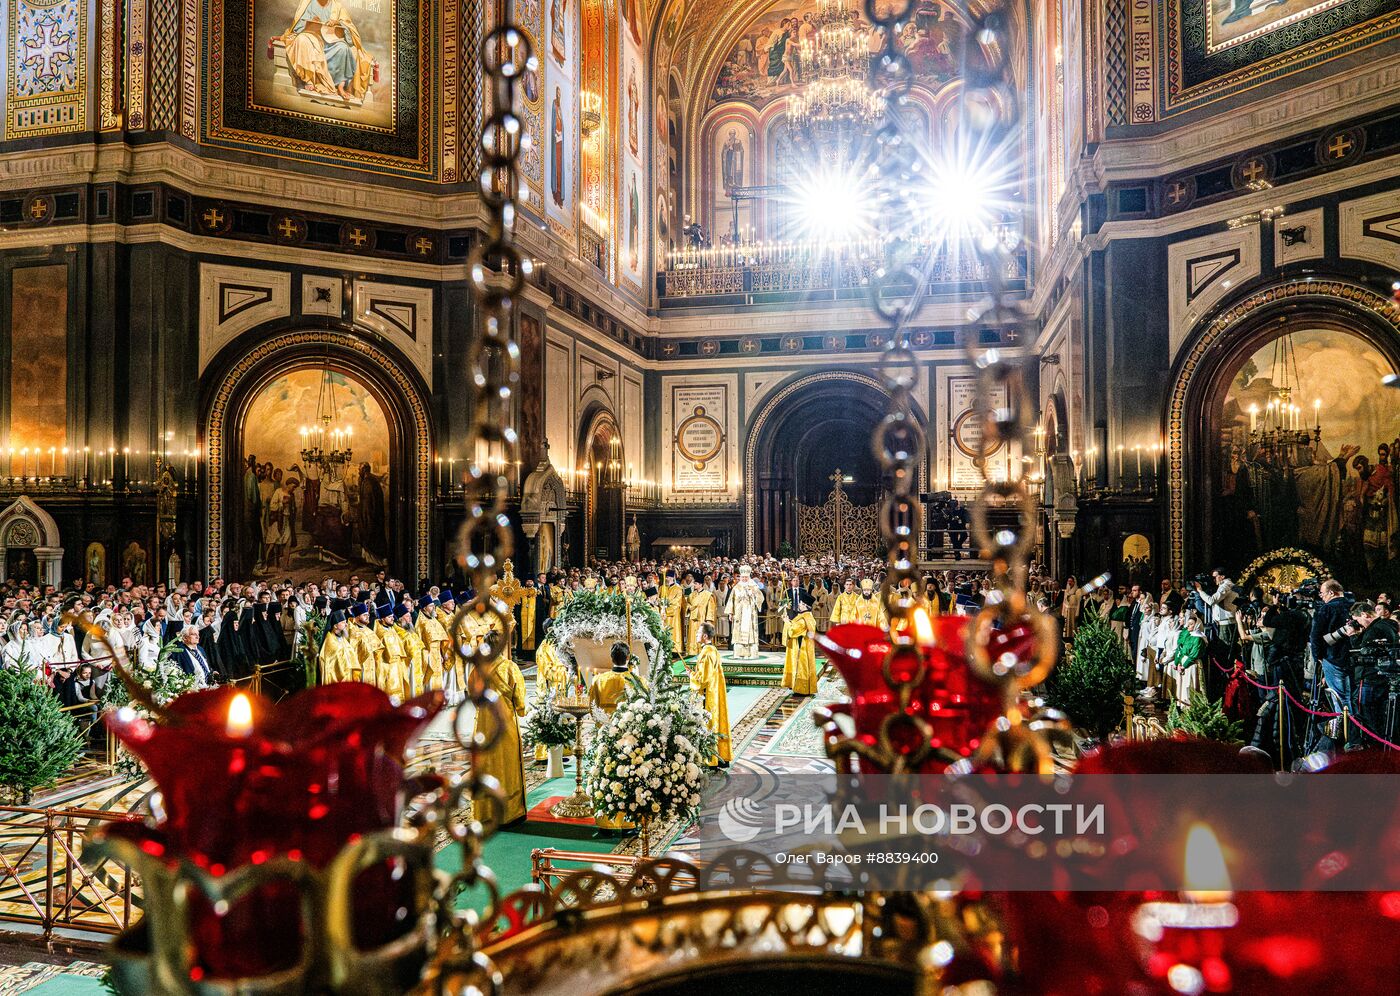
x=707, y=680
x=392, y=679
x=672, y=598
x=337, y=657
x=437, y=644
x=608, y=688
x=369, y=648
x=700, y=608
x=415, y=674
x=503, y=760
x=799, y=641
x=844, y=609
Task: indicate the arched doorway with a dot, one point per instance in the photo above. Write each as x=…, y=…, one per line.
x=605, y=493
x=322, y=518
x=800, y=437
x=1244, y=483
x=30, y=547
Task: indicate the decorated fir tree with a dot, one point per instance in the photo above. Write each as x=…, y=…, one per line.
x=1090, y=682
x=39, y=742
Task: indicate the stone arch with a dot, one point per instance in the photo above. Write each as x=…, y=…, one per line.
x=828, y=383
x=29, y=531
x=241, y=371
x=544, y=509
x=1211, y=352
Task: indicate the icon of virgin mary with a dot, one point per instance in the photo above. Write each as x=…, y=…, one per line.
x=325, y=53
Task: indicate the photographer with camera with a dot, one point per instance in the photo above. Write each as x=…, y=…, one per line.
x=1279, y=630
x=1218, y=599
x=1332, y=632
x=1376, y=646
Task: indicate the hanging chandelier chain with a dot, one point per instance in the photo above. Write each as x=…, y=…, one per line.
x=481, y=629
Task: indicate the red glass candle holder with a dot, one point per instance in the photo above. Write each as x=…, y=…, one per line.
x=277, y=852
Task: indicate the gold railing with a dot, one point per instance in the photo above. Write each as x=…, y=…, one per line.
x=774, y=270
x=253, y=683
x=100, y=750
x=44, y=885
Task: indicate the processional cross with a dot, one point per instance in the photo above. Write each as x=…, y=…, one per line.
x=837, y=493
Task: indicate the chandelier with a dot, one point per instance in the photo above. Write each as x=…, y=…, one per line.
x=325, y=444
x=837, y=103
x=1281, y=426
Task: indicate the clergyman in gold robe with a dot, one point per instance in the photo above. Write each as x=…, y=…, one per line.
x=799, y=641
x=503, y=760
x=707, y=680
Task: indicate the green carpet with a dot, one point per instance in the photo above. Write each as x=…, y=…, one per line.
x=68, y=985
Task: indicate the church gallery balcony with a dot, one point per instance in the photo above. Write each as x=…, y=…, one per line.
x=783, y=272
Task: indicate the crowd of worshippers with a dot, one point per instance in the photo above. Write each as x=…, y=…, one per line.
x=1326, y=646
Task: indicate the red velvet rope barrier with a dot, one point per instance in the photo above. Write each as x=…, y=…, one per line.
x=1312, y=712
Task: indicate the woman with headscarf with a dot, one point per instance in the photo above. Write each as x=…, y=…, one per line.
x=234, y=653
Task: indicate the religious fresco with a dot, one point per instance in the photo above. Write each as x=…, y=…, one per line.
x=1235, y=21
x=529, y=16
x=1216, y=47
x=763, y=66
x=294, y=519
x=340, y=81
x=635, y=203
x=39, y=361
x=1334, y=497
x=561, y=114
x=328, y=59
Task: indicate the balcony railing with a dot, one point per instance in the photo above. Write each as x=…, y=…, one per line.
x=784, y=270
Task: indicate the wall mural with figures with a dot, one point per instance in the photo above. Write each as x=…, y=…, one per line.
x=1332, y=495
x=634, y=202
x=559, y=56
x=298, y=520
x=1216, y=47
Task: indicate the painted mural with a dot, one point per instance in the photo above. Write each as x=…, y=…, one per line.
x=634, y=201
x=1227, y=45
x=1234, y=21
x=294, y=519
x=1335, y=496
x=328, y=59
x=763, y=65
x=530, y=16
x=561, y=113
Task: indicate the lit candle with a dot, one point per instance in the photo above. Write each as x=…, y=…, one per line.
x=1138, y=450
x=1317, y=412
x=126, y=456
x=1120, y=464
x=87, y=452
x=1253, y=417
x=240, y=716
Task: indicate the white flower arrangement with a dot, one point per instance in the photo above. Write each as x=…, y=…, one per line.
x=545, y=725
x=595, y=615
x=647, y=763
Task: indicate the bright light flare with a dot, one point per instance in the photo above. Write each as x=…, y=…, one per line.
x=962, y=199
x=832, y=207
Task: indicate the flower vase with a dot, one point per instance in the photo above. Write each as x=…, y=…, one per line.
x=554, y=766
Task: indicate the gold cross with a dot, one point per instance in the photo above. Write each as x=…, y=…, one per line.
x=423, y=245
x=837, y=477
x=1339, y=146
x=922, y=339
x=39, y=208
x=358, y=237
x=1253, y=170
x=793, y=343
x=289, y=228
x=669, y=349
x=213, y=218
x=832, y=342
x=708, y=347
x=748, y=345
x=1177, y=192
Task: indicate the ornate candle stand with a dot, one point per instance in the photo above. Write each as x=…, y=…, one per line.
x=577, y=806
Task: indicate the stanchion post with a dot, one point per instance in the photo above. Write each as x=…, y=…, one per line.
x=1281, y=760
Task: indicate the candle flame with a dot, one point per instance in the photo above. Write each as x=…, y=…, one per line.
x=240, y=716
x=1205, y=875
x=923, y=627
